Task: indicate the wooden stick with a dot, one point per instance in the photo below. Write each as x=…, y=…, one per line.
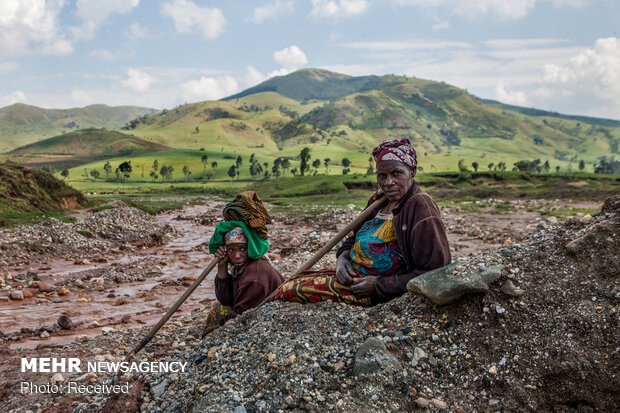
x=350, y=227
x=172, y=310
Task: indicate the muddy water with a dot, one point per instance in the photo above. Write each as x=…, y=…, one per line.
x=147, y=300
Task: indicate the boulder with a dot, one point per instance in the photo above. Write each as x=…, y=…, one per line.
x=373, y=356
x=445, y=285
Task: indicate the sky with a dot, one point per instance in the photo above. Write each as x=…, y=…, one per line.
x=559, y=55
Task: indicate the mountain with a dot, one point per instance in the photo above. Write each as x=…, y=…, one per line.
x=82, y=146
x=342, y=116
x=23, y=124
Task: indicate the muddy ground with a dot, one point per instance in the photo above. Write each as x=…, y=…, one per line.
x=118, y=283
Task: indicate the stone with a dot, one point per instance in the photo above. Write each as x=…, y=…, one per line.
x=552, y=220
x=57, y=378
x=493, y=370
x=27, y=294
x=16, y=295
x=422, y=402
x=373, y=356
x=509, y=288
x=439, y=404
x=442, y=286
x=158, y=390
x=81, y=338
x=585, y=219
x=240, y=409
x=64, y=291
x=418, y=354
x=65, y=322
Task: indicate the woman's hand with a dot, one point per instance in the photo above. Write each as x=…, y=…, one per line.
x=222, y=255
x=364, y=286
x=344, y=269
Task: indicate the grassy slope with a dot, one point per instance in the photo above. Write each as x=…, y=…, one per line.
x=28, y=192
x=23, y=124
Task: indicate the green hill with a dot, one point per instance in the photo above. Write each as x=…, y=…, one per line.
x=341, y=116
x=23, y=124
x=28, y=191
x=83, y=146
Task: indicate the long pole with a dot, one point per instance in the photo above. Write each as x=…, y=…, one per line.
x=173, y=309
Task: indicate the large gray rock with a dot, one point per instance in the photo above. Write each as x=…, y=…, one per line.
x=441, y=286
x=373, y=356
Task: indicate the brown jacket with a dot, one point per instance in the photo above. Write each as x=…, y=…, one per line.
x=248, y=288
x=421, y=237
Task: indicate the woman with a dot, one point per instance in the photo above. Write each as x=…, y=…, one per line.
x=399, y=241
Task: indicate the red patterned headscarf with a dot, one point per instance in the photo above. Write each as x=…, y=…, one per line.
x=396, y=150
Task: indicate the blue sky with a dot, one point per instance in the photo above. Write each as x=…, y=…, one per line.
x=561, y=55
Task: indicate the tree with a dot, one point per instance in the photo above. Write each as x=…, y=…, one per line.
x=239, y=161
x=204, y=160
x=64, y=173
x=462, y=166
x=346, y=162
x=582, y=165
x=557, y=169
x=546, y=166
x=214, y=166
x=490, y=166
x=345, y=171
x=197, y=129
x=49, y=169
x=153, y=175
x=304, y=155
x=117, y=172
x=95, y=173
x=155, y=165
x=107, y=168
x=275, y=169
x=125, y=169
x=232, y=172
x=252, y=158
x=186, y=172
x=474, y=165
x=285, y=164
x=316, y=163
x=294, y=171
x=326, y=162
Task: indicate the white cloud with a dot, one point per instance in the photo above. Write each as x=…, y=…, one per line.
x=108, y=55
x=290, y=58
x=271, y=11
x=334, y=9
x=16, y=97
x=513, y=98
x=253, y=77
x=407, y=45
x=32, y=27
x=187, y=14
x=138, y=80
x=442, y=25
x=94, y=14
x=8, y=66
x=136, y=31
x=208, y=88
x=590, y=80
x=505, y=9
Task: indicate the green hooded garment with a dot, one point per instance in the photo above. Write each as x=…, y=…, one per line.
x=257, y=247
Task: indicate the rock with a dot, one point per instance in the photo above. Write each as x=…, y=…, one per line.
x=45, y=288
x=84, y=298
x=240, y=409
x=158, y=390
x=45, y=334
x=87, y=377
x=422, y=402
x=64, y=291
x=289, y=400
x=442, y=286
x=27, y=294
x=16, y=295
x=189, y=278
x=418, y=354
x=81, y=338
x=585, y=219
x=493, y=369
x=372, y=356
x=57, y=378
x=552, y=220
x=439, y=404
x=509, y=288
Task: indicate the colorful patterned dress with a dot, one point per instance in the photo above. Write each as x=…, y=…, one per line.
x=375, y=253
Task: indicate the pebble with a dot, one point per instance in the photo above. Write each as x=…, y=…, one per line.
x=439, y=404
x=422, y=402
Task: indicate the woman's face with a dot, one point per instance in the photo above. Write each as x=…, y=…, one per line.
x=394, y=178
x=237, y=254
